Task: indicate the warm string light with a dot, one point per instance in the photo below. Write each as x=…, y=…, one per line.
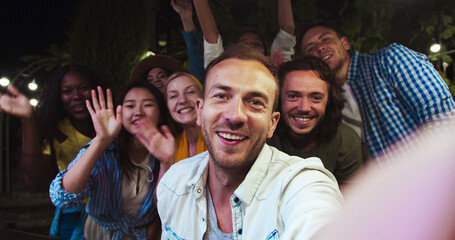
x=32, y=85
x=4, y=81
x=33, y=102
x=436, y=47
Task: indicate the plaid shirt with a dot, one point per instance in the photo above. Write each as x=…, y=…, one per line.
x=397, y=90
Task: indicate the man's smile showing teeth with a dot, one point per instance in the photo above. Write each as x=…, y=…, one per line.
x=302, y=119
x=231, y=137
x=326, y=57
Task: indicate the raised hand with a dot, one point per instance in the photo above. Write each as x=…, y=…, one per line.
x=16, y=103
x=107, y=125
x=183, y=7
x=161, y=145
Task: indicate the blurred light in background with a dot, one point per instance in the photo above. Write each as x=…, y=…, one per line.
x=147, y=54
x=4, y=81
x=33, y=102
x=162, y=43
x=32, y=85
x=435, y=47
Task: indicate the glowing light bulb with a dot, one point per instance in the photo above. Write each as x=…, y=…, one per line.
x=33, y=102
x=33, y=86
x=435, y=47
x=4, y=81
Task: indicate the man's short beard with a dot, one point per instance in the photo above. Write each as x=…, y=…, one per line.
x=243, y=165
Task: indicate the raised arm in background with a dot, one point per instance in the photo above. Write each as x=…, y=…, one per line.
x=192, y=38
x=282, y=48
x=206, y=20
x=185, y=11
x=35, y=165
x=285, y=17
x=213, y=44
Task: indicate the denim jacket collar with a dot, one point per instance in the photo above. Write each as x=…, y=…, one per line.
x=250, y=186
x=198, y=183
x=247, y=189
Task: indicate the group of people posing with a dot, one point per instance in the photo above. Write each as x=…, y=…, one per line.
x=242, y=146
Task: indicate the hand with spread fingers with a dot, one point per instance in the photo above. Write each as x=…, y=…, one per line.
x=159, y=143
x=16, y=103
x=107, y=125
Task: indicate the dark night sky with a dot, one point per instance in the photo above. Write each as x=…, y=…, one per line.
x=29, y=26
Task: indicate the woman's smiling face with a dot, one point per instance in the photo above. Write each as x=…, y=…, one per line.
x=181, y=95
x=139, y=103
x=157, y=77
x=74, y=90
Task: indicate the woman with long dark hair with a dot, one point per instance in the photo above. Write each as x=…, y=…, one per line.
x=54, y=134
x=120, y=173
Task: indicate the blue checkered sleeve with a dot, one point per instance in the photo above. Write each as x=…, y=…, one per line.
x=418, y=84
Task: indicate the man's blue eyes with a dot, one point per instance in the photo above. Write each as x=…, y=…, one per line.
x=222, y=96
x=257, y=102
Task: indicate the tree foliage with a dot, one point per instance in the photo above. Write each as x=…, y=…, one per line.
x=106, y=36
x=365, y=22
x=438, y=25
x=109, y=37
x=368, y=24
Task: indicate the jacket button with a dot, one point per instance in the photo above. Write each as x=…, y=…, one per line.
x=239, y=231
x=236, y=200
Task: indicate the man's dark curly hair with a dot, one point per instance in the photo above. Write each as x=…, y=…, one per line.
x=328, y=125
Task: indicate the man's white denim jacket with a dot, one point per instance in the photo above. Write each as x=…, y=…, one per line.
x=282, y=197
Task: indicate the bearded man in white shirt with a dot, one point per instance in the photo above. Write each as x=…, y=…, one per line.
x=241, y=188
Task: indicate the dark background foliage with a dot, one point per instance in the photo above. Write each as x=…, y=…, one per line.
x=110, y=36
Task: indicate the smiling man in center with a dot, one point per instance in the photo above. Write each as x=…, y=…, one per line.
x=242, y=188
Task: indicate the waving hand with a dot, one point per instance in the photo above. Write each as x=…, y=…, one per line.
x=160, y=144
x=16, y=103
x=106, y=124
